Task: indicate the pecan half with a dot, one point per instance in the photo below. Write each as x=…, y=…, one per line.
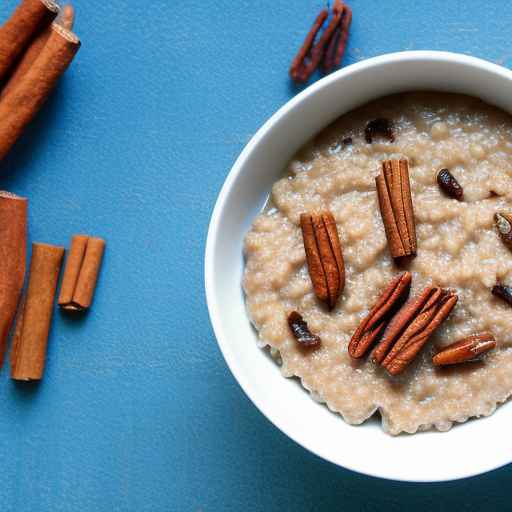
x=504, y=226
x=389, y=301
x=324, y=256
x=411, y=328
x=395, y=201
x=466, y=349
x=301, y=332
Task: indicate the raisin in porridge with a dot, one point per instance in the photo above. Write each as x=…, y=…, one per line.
x=458, y=248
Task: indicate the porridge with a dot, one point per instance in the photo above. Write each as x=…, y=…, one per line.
x=458, y=248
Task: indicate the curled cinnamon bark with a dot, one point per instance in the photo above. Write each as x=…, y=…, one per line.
x=19, y=106
x=82, y=269
x=65, y=19
x=17, y=33
x=13, y=250
x=33, y=324
x=387, y=304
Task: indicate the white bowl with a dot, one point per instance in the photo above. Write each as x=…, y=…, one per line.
x=468, y=449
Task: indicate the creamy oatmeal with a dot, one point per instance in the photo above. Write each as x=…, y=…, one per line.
x=458, y=248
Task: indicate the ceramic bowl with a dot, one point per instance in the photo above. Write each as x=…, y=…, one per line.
x=468, y=449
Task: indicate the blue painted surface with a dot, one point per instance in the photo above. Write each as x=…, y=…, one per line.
x=138, y=411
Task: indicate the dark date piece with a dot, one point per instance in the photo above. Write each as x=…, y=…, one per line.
x=446, y=180
x=503, y=292
x=300, y=330
x=379, y=126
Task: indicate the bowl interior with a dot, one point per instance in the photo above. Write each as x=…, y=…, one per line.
x=468, y=449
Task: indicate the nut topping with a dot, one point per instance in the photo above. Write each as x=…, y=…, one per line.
x=466, y=349
x=300, y=330
x=395, y=201
x=324, y=256
x=411, y=328
x=504, y=226
x=388, y=303
x=446, y=180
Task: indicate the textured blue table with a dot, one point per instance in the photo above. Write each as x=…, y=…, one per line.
x=138, y=411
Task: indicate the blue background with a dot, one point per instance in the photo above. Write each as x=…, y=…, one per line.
x=137, y=411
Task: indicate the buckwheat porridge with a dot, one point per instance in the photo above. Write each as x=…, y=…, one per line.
x=458, y=248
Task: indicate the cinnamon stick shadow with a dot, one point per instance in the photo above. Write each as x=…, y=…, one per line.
x=25, y=390
x=72, y=317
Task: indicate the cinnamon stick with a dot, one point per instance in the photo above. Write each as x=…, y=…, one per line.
x=65, y=19
x=13, y=249
x=19, y=106
x=33, y=324
x=18, y=32
x=81, y=273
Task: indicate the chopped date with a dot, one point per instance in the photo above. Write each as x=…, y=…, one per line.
x=300, y=330
x=379, y=126
x=503, y=292
x=448, y=183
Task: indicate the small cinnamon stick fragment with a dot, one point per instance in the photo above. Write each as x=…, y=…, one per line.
x=13, y=254
x=23, y=101
x=19, y=30
x=33, y=324
x=395, y=201
x=82, y=268
x=65, y=19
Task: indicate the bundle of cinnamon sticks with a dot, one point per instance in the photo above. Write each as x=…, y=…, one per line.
x=36, y=47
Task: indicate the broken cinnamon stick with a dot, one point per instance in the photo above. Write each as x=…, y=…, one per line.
x=13, y=250
x=20, y=105
x=65, y=19
x=19, y=30
x=81, y=273
x=33, y=324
